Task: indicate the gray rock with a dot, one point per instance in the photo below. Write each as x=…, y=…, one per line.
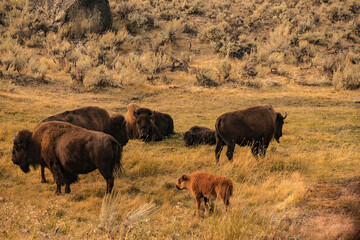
x=96, y=12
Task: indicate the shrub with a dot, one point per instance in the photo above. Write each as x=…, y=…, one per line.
x=17, y=58
x=224, y=68
x=172, y=32
x=137, y=22
x=98, y=78
x=81, y=65
x=347, y=76
x=38, y=69
x=204, y=78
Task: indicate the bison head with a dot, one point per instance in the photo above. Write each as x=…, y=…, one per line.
x=21, y=150
x=144, y=123
x=188, y=138
x=118, y=129
x=181, y=182
x=278, y=126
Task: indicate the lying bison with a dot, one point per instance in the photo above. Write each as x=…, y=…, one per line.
x=206, y=186
x=68, y=150
x=199, y=135
x=148, y=125
x=254, y=126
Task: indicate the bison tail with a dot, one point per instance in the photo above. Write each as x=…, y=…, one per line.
x=171, y=128
x=218, y=133
x=228, y=192
x=117, y=155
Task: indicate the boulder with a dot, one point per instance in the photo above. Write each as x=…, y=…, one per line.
x=96, y=13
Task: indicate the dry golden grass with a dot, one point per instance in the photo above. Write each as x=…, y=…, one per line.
x=280, y=196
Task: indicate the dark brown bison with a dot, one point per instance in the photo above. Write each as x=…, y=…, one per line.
x=206, y=186
x=148, y=125
x=68, y=150
x=254, y=126
x=91, y=118
x=199, y=135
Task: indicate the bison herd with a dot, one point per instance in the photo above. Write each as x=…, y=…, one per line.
x=85, y=139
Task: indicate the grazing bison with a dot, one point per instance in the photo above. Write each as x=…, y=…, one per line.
x=68, y=150
x=148, y=125
x=91, y=118
x=254, y=126
x=199, y=135
x=206, y=186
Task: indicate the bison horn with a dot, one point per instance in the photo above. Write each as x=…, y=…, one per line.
x=285, y=115
x=135, y=114
x=14, y=135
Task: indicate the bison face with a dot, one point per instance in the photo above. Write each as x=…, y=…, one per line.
x=188, y=138
x=144, y=124
x=278, y=126
x=20, y=150
x=181, y=182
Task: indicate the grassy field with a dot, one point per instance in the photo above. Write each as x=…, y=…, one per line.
x=194, y=60
x=307, y=187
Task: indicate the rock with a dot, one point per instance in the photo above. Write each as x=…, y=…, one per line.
x=271, y=83
x=96, y=12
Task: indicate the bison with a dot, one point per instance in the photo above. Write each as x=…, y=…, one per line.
x=148, y=125
x=254, y=126
x=199, y=135
x=91, y=118
x=68, y=150
x=206, y=186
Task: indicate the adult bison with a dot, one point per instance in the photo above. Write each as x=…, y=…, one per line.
x=91, y=118
x=68, y=150
x=199, y=135
x=148, y=125
x=254, y=126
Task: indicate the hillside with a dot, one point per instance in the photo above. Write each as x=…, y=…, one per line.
x=209, y=43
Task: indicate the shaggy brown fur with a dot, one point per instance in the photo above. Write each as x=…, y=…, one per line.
x=131, y=121
x=199, y=135
x=91, y=118
x=254, y=126
x=206, y=186
x=68, y=150
x=143, y=123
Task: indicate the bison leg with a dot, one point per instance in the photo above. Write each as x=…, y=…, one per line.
x=230, y=151
x=219, y=146
x=106, y=172
x=109, y=184
x=198, y=202
x=67, y=188
x=58, y=189
x=227, y=204
x=263, y=148
x=43, y=179
x=206, y=206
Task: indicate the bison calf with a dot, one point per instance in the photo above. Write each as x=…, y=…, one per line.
x=68, y=150
x=199, y=135
x=205, y=186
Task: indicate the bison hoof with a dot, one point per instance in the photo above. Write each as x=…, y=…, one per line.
x=43, y=181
